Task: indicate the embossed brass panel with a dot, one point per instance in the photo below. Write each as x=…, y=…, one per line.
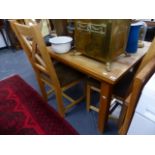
x=101, y=39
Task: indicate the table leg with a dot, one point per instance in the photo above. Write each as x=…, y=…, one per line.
x=105, y=99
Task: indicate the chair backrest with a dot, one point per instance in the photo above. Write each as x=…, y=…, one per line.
x=33, y=44
x=144, y=66
x=44, y=25
x=146, y=59
x=29, y=22
x=141, y=78
x=149, y=55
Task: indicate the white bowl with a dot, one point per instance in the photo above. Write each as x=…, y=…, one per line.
x=61, y=44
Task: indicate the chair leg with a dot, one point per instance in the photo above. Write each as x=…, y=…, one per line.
x=85, y=88
x=88, y=95
x=42, y=88
x=122, y=116
x=61, y=108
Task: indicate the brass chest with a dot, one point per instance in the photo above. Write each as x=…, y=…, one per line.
x=101, y=39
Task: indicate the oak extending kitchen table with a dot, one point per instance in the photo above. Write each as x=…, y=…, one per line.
x=97, y=70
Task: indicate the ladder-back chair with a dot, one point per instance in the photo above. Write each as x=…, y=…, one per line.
x=56, y=75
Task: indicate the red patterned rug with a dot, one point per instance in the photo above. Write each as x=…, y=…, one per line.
x=23, y=111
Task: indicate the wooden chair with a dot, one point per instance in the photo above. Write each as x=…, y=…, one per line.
x=123, y=88
x=59, y=77
x=131, y=101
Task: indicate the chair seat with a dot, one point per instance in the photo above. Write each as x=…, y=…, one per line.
x=66, y=75
x=120, y=89
x=93, y=82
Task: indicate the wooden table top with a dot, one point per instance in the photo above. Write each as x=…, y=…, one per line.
x=97, y=69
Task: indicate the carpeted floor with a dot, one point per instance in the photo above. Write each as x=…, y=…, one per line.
x=15, y=62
